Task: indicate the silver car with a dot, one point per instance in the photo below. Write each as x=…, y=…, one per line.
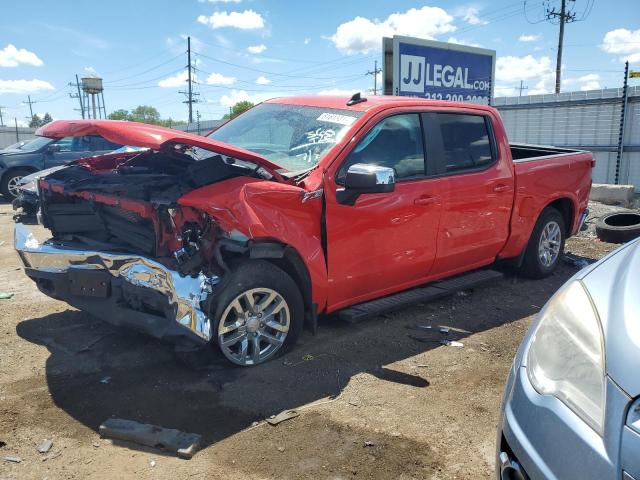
x=571, y=407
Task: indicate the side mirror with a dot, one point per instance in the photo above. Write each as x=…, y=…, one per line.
x=53, y=148
x=362, y=178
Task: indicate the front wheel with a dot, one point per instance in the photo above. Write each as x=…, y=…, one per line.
x=258, y=314
x=545, y=245
x=10, y=185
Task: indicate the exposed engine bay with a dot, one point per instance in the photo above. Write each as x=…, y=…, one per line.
x=129, y=203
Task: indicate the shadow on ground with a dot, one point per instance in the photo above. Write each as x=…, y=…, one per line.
x=96, y=371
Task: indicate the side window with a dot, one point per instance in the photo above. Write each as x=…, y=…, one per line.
x=395, y=142
x=465, y=140
x=97, y=144
x=65, y=144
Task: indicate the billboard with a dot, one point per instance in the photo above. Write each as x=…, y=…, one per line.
x=438, y=70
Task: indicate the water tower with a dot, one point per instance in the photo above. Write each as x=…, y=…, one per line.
x=92, y=88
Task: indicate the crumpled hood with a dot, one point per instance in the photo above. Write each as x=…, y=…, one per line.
x=614, y=286
x=148, y=136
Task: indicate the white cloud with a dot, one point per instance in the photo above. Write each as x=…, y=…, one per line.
x=10, y=56
x=220, y=1
x=177, y=80
x=462, y=42
x=246, y=20
x=91, y=71
x=590, y=81
x=262, y=80
x=234, y=97
x=219, y=79
x=306, y=41
x=256, y=49
x=24, y=86
x=529, y=38
x=513, y=69
x=470, y=15
x=623, y=42
x=362, y=35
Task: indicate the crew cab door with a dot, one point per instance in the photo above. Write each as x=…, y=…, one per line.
x=478, y=185
x=67, y=149
x=384, y=242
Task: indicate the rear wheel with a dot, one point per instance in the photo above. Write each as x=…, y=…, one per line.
x=9, y=185
x=258, y=314
x=545, y=245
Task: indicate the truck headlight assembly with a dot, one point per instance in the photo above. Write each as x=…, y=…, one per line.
x=566, y=354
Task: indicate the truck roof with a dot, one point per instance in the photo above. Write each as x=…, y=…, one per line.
x=373, y=101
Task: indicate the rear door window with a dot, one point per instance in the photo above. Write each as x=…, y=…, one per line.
x=466, y=142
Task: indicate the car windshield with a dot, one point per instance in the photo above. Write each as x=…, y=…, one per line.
x=294, y=137
x=32, y=144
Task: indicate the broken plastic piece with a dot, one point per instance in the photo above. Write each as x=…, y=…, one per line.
x=45, y=446
x=183, y=444
x=282, y=416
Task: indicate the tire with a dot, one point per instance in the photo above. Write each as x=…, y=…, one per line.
x=8, y=182
x=535, y=265
x=235, y=320
x=619, y=227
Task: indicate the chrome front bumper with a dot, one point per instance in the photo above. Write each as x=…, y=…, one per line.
x=53, y=262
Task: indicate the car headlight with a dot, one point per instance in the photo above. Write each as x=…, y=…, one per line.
x=29, y=187
x=566, y=354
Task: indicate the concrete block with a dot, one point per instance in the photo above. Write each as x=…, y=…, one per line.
x=612, y=194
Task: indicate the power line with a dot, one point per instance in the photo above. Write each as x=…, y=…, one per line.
x=145, y=71
x=564, y=16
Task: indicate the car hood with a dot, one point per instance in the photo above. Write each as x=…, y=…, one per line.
x=148, y=136
x=613, y=286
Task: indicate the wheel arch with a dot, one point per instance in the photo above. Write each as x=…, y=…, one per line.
x=567, y=209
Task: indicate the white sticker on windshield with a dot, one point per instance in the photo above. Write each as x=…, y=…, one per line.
x=336, y=118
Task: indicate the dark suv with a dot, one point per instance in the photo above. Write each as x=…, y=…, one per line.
x=39, y=153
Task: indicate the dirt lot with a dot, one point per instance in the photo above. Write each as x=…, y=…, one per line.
x=425, y=410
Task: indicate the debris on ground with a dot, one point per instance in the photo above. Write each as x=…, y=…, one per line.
x=452, y=343
x=462, y=293
x=444, y=330
x=3, y=443
x=45, y=446
x=281, y=417
x=93, y=343
x=307, y=357
x=5, y=295
x=369, y=444
x=183, y=444
x=152, y=463
x=421, y=339
x=576, y=261
x=12, y=459
x=281, y=449
x=106, y=380
x=1, y=243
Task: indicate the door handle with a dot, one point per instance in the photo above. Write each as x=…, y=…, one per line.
x=425, y=200
x=501, y=188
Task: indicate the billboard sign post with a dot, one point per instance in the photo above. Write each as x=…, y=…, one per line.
x=438, y=70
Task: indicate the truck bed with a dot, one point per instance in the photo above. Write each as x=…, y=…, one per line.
x=523, y=152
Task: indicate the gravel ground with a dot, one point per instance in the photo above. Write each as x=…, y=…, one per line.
x=374, y=402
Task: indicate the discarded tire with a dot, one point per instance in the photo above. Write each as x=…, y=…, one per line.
x=618, y=227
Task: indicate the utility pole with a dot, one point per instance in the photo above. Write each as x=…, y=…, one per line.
x=15, y=122
x=522, y=88
x=375, y=73
x=1, y=122
x=30, y=105
x=189, y=93
x=78, y=95
x=563, y=16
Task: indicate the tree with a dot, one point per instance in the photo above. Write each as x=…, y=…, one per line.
x=35, y=122
x=238, y=108
x=46, y=119
x=145, y=114
x=121, y=114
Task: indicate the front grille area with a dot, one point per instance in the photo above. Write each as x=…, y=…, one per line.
x=103, y=224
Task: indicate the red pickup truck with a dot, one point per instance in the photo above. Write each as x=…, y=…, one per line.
x=298, y=207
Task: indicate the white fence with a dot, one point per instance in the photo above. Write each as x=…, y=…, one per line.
x=586, y=120
x=10, y=135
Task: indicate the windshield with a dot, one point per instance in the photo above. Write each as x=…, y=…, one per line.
x=293, y=137
x=31, y=145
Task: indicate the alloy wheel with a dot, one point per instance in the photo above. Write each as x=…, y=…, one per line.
x=550, y=242
x=254, y=326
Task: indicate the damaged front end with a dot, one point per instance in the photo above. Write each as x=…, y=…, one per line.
x=122, y=289
x=123, y=248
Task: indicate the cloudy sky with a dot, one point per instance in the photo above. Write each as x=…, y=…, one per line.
x=256, y=49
